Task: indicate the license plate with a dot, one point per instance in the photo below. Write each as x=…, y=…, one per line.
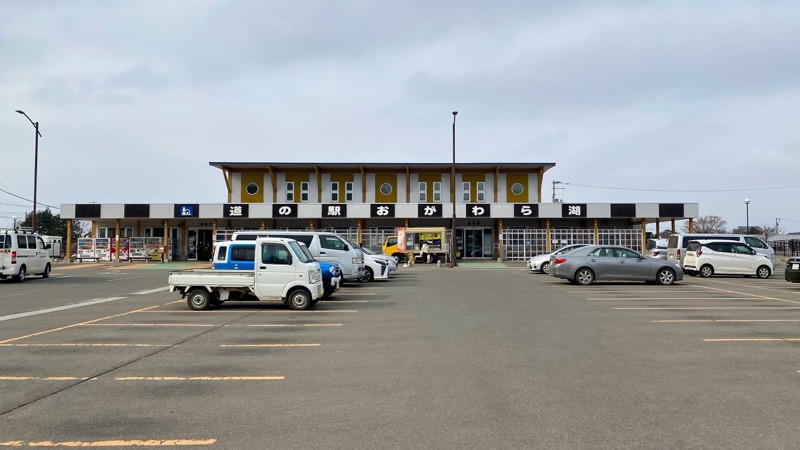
x=795, y=266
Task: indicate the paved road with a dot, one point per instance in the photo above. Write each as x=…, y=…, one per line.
x=435, y=358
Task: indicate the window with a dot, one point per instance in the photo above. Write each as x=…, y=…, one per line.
x=517, y=189
x=331, y=243
x=221, y=253
x=335, y=191
x=622, y=253
x=386, y=189
x=437, y=191
x=31, y=241
x=741, y=249
x=275, y=254
x=391, y=241
x=602, y=252
x=755, y=242
x=481, y=191
x=290, y=191
x=251, y=188
x=465, y=194
x=22, y=241
x=348, y=191
x=304, y=191
x=243, y=253
x=423, y=192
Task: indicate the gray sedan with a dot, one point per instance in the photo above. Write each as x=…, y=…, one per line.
x=608, y=262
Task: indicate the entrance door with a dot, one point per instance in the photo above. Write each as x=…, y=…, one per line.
x=191, y=244
x=477, y=243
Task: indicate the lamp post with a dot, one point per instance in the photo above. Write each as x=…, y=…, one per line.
x=747, y=217
x=35, y=166
x=453, y=262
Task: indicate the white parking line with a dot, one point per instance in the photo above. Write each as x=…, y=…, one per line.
x=60, y=308
x=151, y=291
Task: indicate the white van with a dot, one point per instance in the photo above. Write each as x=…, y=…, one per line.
x=324, y=246
x=23, y=252
x=676, y=246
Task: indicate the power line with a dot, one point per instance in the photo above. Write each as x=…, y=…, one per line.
x=682, y=190
x=28, y=200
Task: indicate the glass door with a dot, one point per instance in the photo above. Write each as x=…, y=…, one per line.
x=191, y=244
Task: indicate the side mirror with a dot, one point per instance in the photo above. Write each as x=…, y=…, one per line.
x=346, y=248
x=752, y=252
x=48, y=246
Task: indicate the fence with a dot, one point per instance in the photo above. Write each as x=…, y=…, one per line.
x=789, y=247
x=523, y=243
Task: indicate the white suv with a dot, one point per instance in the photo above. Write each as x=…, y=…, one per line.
x=723, y=257
x=23, y=252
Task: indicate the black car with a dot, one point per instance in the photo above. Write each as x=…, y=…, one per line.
x=793, y=269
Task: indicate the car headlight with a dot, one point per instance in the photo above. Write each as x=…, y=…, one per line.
x=332, y=269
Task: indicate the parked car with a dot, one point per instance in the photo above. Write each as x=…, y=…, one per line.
x=23, y=252
x=793, y=269
x=722, y=257
x=660, y=249
x=677, y=244
x=605, y=262
x=391, y=261
x=541, y=263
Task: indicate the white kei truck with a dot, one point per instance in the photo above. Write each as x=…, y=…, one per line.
x=283, y=272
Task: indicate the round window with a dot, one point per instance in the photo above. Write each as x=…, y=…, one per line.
x=517, y=188
x=251, y=188
x=386, y=189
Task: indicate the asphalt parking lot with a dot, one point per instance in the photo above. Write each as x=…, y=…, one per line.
x=482, y=356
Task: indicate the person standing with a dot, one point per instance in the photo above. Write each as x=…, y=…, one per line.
x=424, y=252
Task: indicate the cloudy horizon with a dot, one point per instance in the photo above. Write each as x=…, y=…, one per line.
x=633, y=102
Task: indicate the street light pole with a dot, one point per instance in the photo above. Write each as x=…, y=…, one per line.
x=453, y=262
x=35, y=166
x=747, y=208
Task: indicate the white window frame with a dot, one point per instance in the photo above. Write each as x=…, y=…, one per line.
x=348, y=191
x=423, y=192
x=437, y=191
x=465, y=191
x=334, y=192
x=290, y=191
x=304, y=185
x=481, y=191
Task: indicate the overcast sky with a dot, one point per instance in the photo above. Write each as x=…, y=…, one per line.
x=635, y=101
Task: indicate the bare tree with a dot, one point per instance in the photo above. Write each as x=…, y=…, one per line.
x=769, y=231
x=707, y=224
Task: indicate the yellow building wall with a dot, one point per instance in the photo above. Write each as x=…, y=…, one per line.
x=521, y=178
x=381, y=178
x=258, y=179
x=428, y=179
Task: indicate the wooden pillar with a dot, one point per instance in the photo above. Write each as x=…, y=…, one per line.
x=263, y=225
x=644, y=238
x=166, y=240
x=358, y=231
x=547, y=236
x=500, y=240
x=310, y=224
x=672, y=224
x=68, y=254
x=596, y=233
x=658, y=230
x=91, y=231
x=691, y=225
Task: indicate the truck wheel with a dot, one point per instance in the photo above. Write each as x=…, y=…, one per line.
x=198, y=299
x=299, y=299
x=46, y=273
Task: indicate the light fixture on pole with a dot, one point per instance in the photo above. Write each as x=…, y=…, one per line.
x=453, y=262
x=35, y=166
x=747, y=217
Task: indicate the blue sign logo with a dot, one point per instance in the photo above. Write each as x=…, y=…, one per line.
x=187, y=211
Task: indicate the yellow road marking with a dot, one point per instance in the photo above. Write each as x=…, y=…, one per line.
x=289, y=311
x=712, y=307
x=114, y=443
x=724, y=320
x=199, y=378
x=85, y=345
x=43, y=378
x=75, y=325
x=209, y=325
x=270, y=345
x=752, y=340
x=668, y=298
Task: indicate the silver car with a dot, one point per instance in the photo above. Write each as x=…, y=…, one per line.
x=608, y=262
x=660, y=249
x=541, y=263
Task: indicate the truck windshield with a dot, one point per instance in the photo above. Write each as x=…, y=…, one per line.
x=304, y=257
x=306, y=251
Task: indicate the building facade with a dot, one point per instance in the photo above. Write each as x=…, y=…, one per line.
x=499, y=213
